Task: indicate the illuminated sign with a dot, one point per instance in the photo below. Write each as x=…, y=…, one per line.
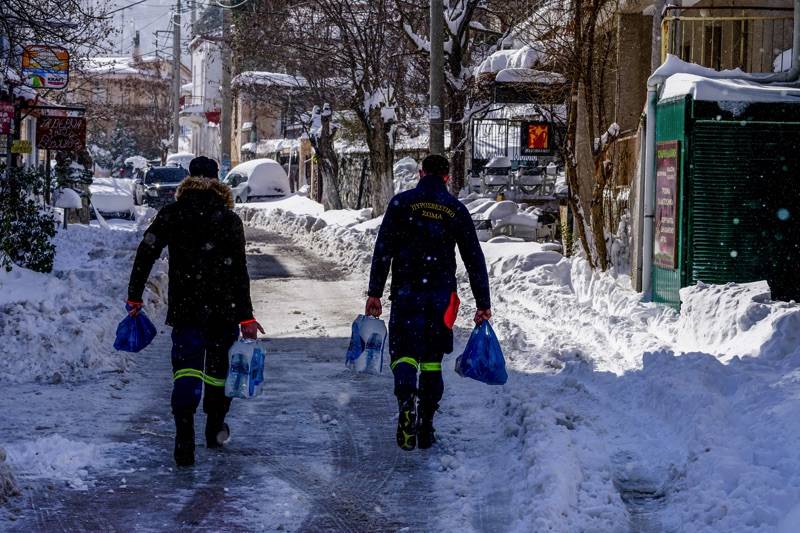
x=536, y=138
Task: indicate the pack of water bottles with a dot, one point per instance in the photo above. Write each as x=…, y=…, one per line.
x=245, y=369
x=367, y=342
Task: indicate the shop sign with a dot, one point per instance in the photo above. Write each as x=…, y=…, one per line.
x=6, y=118
x=45, y=67
x=537, y=138
x=21, y=147
x=67, y=134
x=665, y=254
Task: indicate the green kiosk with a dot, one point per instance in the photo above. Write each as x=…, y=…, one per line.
x=727, y=186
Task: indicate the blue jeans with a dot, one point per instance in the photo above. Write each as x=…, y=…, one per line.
x=200, y=355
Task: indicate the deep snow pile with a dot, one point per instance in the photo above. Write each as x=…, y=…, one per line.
x=60, y=326
x=618, y=414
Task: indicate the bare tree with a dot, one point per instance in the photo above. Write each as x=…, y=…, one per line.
x=82, y=28
x=348, y=55
x=472, y=29
x=576, y=39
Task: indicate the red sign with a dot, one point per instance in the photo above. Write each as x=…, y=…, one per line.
x=665, y=244
x=6, y=118
x=67, y=134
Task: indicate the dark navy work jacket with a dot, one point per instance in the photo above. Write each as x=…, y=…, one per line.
x=418, y=236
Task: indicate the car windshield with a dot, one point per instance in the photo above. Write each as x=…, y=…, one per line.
x=165, y=175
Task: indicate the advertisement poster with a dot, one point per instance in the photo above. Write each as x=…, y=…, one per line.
x=536, y=138
x=6, y=118
x=665, y=253
x=45, y=67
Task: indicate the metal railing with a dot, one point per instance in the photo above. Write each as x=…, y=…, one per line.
x=754, y=39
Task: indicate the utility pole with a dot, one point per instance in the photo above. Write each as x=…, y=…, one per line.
x=436, y=145
x=227, y=108
x=176, y=77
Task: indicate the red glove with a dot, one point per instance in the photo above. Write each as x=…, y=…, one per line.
x=250, y=329
x=133, y=307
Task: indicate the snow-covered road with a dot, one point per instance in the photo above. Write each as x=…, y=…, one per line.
x=618, y=416
x=315, y=452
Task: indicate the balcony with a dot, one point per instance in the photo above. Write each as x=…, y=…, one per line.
x=754, y=39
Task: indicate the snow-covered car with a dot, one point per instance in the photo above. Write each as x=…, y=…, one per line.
x=181, y=159
x=157, y=187
x=256, y=179
x=113, y=197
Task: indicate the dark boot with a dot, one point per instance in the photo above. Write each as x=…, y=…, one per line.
x=407, y=424
x=184, y=439
x=217, y=431
x=426, y=436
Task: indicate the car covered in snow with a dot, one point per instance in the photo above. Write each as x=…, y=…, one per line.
x=181, y=159
x=257, y=179
x=113, y=197
x=157, y=187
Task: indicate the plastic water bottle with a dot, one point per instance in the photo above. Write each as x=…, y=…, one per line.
x=373, y=332
x=256, y=371
x=245, y=369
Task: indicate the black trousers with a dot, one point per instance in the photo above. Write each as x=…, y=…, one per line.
x=418, y=340
x=200, y=356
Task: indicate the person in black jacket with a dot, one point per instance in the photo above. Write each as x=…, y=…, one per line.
x=209, y=298
x=417, y=239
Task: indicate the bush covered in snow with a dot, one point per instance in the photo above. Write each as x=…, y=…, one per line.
x=26, y=226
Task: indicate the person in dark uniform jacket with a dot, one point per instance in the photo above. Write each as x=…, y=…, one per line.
x=417, y=239
x=209, y=298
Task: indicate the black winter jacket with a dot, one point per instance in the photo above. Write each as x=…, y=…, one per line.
x=208, y=279
x=418, y=236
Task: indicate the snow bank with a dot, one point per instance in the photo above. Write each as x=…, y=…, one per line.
x=55, y=457
x=737, y=320
x=619, y=415
x=61, y=326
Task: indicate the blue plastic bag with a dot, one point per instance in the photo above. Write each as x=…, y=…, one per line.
x=483, y=358
x=367, y=342
x=134, y=333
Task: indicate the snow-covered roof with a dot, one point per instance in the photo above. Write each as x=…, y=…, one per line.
x=522, y=58
x=270, y=146
x=268, y=79
x=110, y=65
x=707, y=84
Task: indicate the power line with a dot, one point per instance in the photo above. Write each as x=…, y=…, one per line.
x=125, y=7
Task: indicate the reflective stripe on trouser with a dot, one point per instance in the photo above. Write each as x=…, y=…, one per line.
x=200, y=355
x=194, y=373
x=431, y=385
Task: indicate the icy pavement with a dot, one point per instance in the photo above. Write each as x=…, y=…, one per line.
x=315, y=452
x=618, y=416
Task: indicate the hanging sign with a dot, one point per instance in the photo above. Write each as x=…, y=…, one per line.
x=6, y=118
x=45, y=67
x=67, y=134
x=21, y=147
x=665, y=243
x=536, y=138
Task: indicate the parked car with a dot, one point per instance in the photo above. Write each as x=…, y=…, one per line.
x=113, y=197
x=257, y=179
x=157, y=187
x=181, y=159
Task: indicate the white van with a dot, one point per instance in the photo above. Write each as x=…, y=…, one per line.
x=258, y=178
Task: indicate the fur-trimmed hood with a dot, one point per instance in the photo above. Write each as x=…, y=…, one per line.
x=205, y=184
